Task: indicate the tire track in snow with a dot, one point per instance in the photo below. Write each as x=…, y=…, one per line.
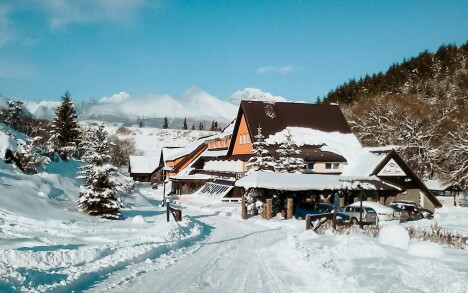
x=237, y=257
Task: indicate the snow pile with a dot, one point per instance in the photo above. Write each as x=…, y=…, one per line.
x=394, y=235
x=138, y=220
x=426, y=249
x=360, y=162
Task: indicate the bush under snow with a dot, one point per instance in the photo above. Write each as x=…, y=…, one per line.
x=394, y=235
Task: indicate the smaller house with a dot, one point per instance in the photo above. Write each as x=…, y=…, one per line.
x=145, y=168
x=448, y=195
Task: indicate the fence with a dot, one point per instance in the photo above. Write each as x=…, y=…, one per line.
x=176, y=213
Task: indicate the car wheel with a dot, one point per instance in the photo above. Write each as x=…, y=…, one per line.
x=354, y=221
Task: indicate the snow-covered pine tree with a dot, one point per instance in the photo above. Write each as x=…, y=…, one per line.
x=13, y=117
x=31, y=155
x=97, y=195
x=65, y=128
x=288, y=161
x=261, y=159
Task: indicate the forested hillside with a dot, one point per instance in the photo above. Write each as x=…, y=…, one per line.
x=421, y=106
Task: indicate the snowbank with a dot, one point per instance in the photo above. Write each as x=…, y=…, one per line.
x=426, y=249
x=394, y=235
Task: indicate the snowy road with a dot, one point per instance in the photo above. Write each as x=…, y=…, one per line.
x=278, y=256
x=237, y=257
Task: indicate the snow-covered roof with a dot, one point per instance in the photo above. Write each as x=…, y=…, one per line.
x=171, y=154
x=435, y=184
x=225, y=133
x=144, y=164
x=191, y=177
x=298, y=182
x=214, y=153
x=360, y=162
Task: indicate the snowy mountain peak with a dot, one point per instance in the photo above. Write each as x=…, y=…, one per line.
x=252, y=94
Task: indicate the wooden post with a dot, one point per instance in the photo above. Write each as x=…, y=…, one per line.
x=269, y=208
x=244, y=209
x=168, y=210
x=334, y=219
x=290, y=208
x=308, y=222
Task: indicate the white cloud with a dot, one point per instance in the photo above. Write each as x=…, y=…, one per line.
x=63, y=12
x=287, y=69
x=115, y=99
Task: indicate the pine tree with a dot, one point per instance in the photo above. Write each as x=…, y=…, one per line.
x=201, y=126
x=193, y=126
x=288, y=161
x=65, y=128
x=97, y=195
x=261, y=159
x=165, y=123
x=13, y=117
x=184, y=125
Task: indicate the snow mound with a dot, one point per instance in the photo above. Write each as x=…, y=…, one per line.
x=394, y=235
x=426, y=249
x=138, y=220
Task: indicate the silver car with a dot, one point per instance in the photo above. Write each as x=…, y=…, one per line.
x=369, y=216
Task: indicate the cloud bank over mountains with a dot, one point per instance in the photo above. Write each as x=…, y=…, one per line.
x=194, y=103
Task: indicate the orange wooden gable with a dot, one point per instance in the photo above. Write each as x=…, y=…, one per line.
x=242, y=140
x=182, y=162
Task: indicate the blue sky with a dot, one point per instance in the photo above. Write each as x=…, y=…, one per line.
x=295, y=49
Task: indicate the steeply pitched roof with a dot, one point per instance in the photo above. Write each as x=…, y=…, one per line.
x=409, y=172
x=274, y=117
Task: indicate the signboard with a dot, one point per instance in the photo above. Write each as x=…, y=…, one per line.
x=391, y=169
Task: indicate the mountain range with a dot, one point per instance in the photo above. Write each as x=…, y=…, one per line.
x=195, y=105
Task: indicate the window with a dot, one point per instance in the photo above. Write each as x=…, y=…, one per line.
x=310, y=166
x=332, y=166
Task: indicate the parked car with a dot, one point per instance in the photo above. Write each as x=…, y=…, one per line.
x=383, y=213
x=304, y=208
x=399, y=214
x=414, y=211
x=369, y=216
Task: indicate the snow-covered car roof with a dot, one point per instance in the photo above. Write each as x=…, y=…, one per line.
x=378, y=207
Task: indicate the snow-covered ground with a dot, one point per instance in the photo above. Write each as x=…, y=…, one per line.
x=47, y=245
